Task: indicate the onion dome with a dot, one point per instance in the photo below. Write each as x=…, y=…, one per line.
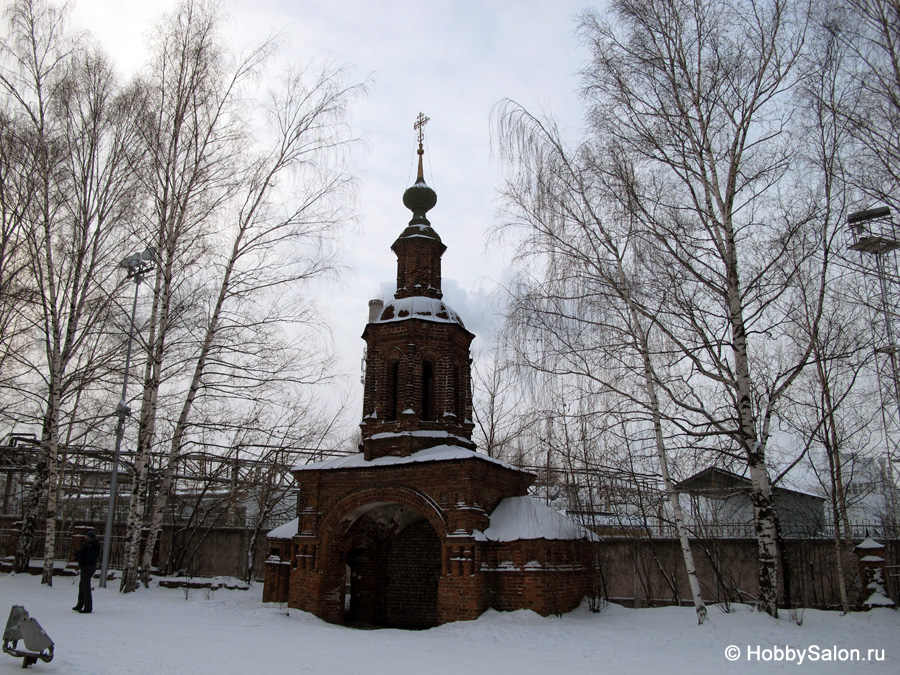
x=419, y=198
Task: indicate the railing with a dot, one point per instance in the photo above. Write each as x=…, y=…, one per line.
x=613, y=526
x=62, y=545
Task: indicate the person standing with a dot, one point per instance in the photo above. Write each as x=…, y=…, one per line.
x=87, y=555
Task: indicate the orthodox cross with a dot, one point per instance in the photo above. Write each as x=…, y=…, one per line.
x=419, y=126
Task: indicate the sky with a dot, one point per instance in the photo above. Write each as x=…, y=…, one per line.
x=451, y=60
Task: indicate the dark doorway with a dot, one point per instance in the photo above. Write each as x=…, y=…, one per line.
x=391, y=575
x=414, y=568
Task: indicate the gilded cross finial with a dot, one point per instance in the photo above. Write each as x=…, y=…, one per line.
x=419, y=126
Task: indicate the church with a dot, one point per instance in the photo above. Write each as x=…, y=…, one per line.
x=418, y=528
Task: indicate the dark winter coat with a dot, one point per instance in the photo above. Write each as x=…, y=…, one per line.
x=88, y=553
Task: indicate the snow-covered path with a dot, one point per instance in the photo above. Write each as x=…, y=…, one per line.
x=232, y=632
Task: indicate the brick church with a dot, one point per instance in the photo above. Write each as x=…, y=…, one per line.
x=418, y=528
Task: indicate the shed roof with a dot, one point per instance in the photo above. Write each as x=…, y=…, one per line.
x=719, y=483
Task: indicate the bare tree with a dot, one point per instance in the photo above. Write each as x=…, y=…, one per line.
x=691, y=156
x=696, y=96
x=498, y=394
x=16, y=193
x=77, y=130
x=273, y=209
x=827, y=407
x=582, y=314
x=870, y=31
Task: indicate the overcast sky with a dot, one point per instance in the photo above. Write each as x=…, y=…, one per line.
x=452, y=60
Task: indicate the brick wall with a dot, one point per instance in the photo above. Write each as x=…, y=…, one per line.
x=407, y=535
x=548, y=577
x=393, y=397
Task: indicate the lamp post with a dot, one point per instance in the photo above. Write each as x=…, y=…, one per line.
x=136, y=265
x=873, y=232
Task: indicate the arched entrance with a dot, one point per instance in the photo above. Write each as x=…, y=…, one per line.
x=382, y=560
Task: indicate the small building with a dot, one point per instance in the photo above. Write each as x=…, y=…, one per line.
x=418, y=528
x=720, y=504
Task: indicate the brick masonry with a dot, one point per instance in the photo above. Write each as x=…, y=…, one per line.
x=400, y=544
x=408, y=536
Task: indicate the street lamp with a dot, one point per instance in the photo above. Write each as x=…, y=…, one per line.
x=874, y=232
x=136, y=265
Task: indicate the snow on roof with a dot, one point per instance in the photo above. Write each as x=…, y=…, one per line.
x=518, y=518
x=870, y=543
x=438, y=453
x=718, y=483
x=418, y=307
x=286, y=531
x=421, y=433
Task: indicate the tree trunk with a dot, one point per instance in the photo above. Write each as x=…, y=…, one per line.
x=662, y=457
x=50, y=446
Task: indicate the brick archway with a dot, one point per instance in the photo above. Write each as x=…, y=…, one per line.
x=408, y=497
x=418, y=530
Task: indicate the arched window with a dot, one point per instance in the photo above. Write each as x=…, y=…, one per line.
x=393, y=390
x=429, y=409
x=459, y=393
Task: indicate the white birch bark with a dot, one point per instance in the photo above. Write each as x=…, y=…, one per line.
x=662, y=457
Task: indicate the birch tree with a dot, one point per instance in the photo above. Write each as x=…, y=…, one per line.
x=76, y=131
x=191, y=138
x=827, y=407
x=699, y=95
x=692, y=138
x=280, y=240
x=16, y=191
x=499, y=396
x=242, y=224
x=869, y=30
x=582, y=314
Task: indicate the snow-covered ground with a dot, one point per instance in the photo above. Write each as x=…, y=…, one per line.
x=225, y=632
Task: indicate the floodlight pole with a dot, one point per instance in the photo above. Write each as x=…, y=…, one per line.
x=137, y=265
x=874, y=233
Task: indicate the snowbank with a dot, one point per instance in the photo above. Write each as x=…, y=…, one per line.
x=233, y=633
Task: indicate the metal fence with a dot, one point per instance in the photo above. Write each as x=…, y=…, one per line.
x=618, y=526
x=62, y=546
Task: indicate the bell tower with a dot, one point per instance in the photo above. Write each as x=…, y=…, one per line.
x=418, y=529
x=418, y=391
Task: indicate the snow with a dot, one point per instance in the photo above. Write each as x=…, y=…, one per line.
x=878, y=600
x=418, y=307
x=871, y=558
x=231, y=632
x=420, y=433
x=870, y=544
x=286, y=531
x=518, y=518
x=438, y=453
